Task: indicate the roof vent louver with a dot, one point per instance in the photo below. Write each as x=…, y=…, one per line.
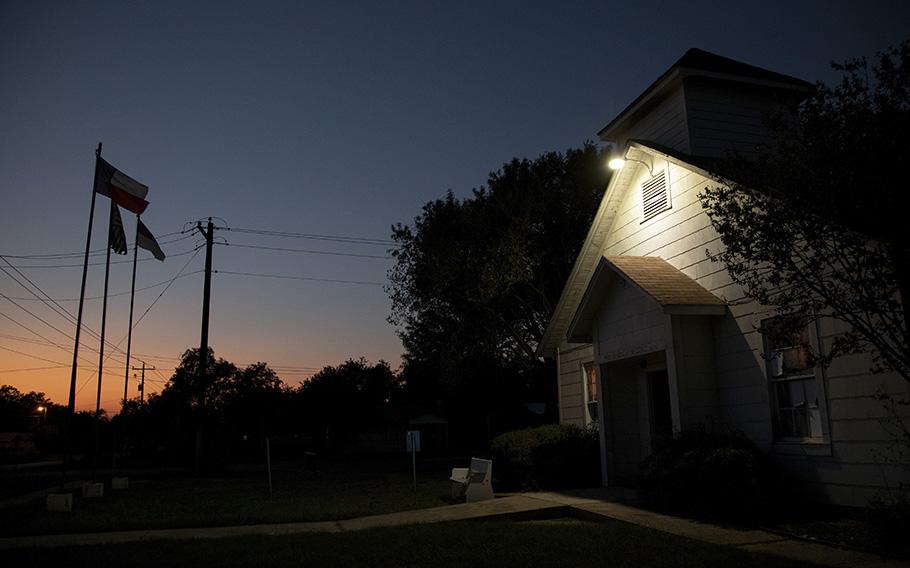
x=655, y=198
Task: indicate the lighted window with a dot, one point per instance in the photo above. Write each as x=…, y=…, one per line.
x=794, y=384
x=590, y=377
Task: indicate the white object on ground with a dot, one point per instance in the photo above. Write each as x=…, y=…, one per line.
x=475, y=483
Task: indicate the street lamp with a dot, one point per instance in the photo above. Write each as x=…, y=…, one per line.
x=43, y=411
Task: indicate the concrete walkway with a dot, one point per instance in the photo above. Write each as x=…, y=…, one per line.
x=595, y=505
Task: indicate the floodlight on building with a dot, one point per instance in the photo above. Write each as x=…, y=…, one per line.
x=616, y=163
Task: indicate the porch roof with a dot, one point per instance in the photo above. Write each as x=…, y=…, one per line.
x=662, y=281
x=675, y=292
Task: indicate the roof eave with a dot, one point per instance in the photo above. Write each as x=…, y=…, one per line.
x=695, y=309
x=551, y=338
x=677, y=74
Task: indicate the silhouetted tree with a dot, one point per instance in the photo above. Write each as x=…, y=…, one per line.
x=338, y=401
x=475, y=280
x=181, y=392
x=252, y=398
x=817, y=227
x=19, y=410
x=239, y=402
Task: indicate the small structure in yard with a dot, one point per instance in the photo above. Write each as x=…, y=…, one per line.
x=17, y=444
x=93, y=490
x=474, y=483
x=60, y=502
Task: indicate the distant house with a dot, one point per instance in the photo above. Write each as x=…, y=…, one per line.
x=17, y=444
x=648, y=335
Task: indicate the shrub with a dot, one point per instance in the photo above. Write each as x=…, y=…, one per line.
x=889, y=518
x=555, y=456
x=717, y=475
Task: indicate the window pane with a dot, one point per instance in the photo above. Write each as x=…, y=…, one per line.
x=811, y=393
x=800, y=423
x=591, y=381
x=797, y=393
x=785, y=423
x=783, y=394
x=796, y=359
x=815, y=422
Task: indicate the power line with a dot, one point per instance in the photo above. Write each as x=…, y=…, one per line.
x=26, y=328
x=142, y=289
x=20, y=338
x=96, y=252
x=66, y=314
x=52, y=266
x=37, y=317
x=60, y=366
x=174, y=279
x=23, y=353
x=307, y=278
x=114, y=347
x=315, y=236
x=46, y=340
x=307, y=251
x=117, y=347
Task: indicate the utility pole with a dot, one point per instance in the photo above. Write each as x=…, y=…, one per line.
x=142, y=383
x=209, y=234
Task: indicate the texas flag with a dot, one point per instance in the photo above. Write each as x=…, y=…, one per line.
x=146, y=240
x=121, y=188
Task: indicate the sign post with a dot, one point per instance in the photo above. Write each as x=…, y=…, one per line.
x=412, y=438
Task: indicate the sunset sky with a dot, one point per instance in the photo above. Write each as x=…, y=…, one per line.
x=329, y=119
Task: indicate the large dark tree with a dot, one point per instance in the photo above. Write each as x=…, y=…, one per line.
x=182, y=389
x=338, y=401
x=241, y=404
x=818, y=226
x=476, y=280
x=19, y=410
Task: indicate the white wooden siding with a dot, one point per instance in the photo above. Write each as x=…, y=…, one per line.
x=571, y=384
x=664, y=123
x=855, y=467
x=695, y=370
x=630, y=324
x=721, y=119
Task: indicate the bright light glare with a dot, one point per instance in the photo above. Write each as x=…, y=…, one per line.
x=616, y=163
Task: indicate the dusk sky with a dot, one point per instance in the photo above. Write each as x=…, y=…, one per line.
x=321, y=118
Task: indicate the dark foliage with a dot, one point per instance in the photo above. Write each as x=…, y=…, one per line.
x=709, y=474
x=554, y=456
x=339, y=401
x=19, y=411
x=476, y=280
x=890, y=517
x=817, y=226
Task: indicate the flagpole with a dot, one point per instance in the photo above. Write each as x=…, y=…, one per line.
x=129, y=333
x=107, y=272
x=71, y=403
x=88, y=243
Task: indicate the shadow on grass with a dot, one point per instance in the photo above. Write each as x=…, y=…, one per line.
x=555, y=542
x=341, y=491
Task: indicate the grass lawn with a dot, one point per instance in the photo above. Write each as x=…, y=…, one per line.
x=560, y=542
x=337, y=491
